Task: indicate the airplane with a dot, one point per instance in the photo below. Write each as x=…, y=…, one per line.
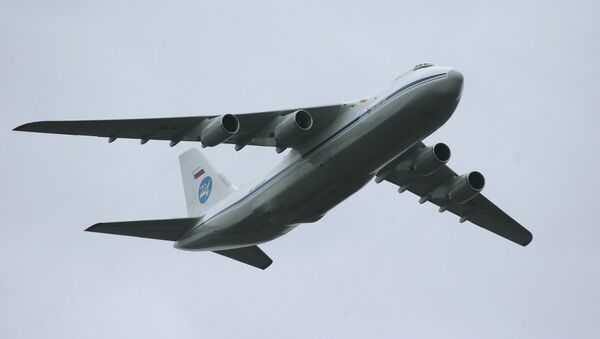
x=334, y=151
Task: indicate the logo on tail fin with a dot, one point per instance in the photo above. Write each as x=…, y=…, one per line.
x=204, y=190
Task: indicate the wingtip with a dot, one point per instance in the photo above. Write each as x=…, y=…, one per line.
x=91, y=228
x=34, y=126
x=528, y=239
x=21, y=127
x=266, y=265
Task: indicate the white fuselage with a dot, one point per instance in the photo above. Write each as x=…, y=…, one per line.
x=319, y=174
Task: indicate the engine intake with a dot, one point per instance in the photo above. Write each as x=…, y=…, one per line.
x=219, y=129
x=466, y=187
x=292, y=127
x=431, y=158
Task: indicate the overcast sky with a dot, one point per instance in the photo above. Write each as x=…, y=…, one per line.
x=378, y=265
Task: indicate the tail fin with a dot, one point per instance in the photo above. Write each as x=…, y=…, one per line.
x=203, y=186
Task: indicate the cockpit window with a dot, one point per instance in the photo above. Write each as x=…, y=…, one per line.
x=423, y=65
x=419, y=66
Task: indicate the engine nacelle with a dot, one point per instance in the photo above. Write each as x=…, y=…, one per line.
x=431, y=158
x=292, y=127
x=466, y=187
x=219, y=129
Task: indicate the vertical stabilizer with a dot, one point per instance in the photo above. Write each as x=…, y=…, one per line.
x=203, y=186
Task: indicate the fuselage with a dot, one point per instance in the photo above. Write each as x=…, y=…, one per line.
x=316, y=176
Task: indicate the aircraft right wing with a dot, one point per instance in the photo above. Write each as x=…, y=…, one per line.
x=422, y=171
x=280, y=128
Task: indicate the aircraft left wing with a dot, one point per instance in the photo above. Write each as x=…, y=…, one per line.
x=422, y=171
x=280, y=128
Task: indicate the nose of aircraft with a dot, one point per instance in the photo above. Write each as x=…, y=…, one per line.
x=451, y=87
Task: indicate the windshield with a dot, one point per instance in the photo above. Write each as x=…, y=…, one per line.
x=418, y=66
x=423, y=65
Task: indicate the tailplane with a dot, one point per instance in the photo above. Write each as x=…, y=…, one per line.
x=203, y=186
x=251, y=255
x=166, y=229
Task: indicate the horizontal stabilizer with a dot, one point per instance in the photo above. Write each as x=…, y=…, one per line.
x=166, y=229
x=251, y=255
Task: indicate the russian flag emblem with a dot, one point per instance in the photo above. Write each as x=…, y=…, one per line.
x=198, y=173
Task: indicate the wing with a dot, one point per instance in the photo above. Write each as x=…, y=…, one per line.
x=437, y=187
x=254, y=128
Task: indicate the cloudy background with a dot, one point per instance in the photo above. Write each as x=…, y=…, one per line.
x=380, y=264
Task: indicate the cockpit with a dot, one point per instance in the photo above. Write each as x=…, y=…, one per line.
x=417, y=66
x=423, y=65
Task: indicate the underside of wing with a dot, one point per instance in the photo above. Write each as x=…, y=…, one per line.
x=482, y=212
x=422, y=171
x=143, y=129
x=280, y=128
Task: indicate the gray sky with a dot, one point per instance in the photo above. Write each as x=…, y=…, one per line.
x=378, y=265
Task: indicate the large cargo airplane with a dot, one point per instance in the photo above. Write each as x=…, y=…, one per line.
x=334, y=151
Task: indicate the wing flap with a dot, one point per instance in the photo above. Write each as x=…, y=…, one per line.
x=166, y=229
x=251, y=255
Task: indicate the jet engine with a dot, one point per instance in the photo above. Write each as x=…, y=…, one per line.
x=431, y=158
x=466, y=187
x=219, y=129
x=292, y=127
